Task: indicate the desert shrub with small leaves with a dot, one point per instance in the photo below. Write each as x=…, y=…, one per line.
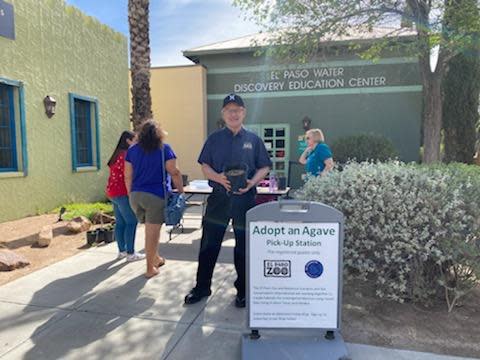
x=363, y=147
x=411, y=229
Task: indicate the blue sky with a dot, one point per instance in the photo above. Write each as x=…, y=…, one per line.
x=175, y=25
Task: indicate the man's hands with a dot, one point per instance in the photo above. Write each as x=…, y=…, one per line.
x=222, y=180
x=250, y=184
x=259, y=175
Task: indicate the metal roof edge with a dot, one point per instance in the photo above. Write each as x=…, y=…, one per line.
x=192, y=54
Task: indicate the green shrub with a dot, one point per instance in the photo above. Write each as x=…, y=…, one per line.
x=461, y=271
x=411, y=229
x=465, y=177
x=84, y=209
x=363, y=147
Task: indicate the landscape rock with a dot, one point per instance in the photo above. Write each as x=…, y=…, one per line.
x=45, y=236
x=9, y=260
x=79, y=224
x=101, y=218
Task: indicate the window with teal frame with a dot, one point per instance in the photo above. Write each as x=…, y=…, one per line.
x=85, y=135
x=13, y=144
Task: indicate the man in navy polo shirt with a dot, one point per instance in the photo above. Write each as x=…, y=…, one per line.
x=226, y=147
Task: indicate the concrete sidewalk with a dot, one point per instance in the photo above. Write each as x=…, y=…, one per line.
x=91, y=306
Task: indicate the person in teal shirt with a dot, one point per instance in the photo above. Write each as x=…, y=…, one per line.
x=317, y=157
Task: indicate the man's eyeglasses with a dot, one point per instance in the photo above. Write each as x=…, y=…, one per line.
x=233, y=111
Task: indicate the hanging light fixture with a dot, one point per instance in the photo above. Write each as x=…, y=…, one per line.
x=50, y=104
x=306, y=123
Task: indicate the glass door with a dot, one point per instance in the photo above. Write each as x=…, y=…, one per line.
x=277, y=141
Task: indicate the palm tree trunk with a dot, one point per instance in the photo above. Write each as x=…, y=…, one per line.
x=431, y=81
x=138, y=20
x=432, y=122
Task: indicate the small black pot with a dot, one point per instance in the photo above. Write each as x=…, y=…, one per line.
x=95, y=236
x=101, y=235
x=237, y=175
x=92, y=236
x=109, y=235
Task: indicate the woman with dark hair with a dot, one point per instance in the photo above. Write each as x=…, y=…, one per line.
x=125, y=220
x=145, y=176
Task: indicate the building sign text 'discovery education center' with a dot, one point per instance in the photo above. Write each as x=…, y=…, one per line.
x=358, y=74
x=309, y=79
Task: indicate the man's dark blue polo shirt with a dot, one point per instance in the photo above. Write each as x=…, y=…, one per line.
x=223, y=149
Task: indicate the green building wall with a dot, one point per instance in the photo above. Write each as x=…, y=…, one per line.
x=57, y=51
x=391, y=107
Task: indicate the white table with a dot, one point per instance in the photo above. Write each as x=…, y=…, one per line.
x=191, y=191
x=207, y=191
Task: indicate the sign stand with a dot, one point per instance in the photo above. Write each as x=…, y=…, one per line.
x=294, y=282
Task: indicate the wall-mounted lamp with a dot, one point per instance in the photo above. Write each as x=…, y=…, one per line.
x=50, y=104
x=306, y=123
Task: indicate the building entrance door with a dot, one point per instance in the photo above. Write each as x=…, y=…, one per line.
x=277, y=141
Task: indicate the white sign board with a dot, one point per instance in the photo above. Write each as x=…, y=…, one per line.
x=294, y=274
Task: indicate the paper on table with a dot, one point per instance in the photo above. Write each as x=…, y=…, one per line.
x=199, y=184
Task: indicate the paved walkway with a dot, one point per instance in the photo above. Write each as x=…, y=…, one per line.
x=91, y=306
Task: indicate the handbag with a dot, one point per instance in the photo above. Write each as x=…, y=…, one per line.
x=175, y=203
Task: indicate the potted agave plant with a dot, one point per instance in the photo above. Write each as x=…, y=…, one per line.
x=95, y=236
x=108, y=232
x=105, y=233
x=237, y=175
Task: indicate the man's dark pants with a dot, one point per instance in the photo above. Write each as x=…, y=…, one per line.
x=220, y=209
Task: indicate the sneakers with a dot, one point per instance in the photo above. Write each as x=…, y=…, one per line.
x=121, y=255
x=135, y=257
x=196, y=295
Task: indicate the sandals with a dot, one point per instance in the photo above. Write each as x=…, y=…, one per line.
x=150, y=275
x=161, y=262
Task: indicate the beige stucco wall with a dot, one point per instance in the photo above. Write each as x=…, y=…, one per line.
x=179, y=104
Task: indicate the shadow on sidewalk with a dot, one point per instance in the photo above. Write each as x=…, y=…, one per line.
x=90, y=322
x=65, y=293
x=56, y=338
x=202, y=340
x=73, y=291
x=189, y=252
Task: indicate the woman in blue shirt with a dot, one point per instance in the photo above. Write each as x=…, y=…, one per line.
x=317, y=157
x=144, y=179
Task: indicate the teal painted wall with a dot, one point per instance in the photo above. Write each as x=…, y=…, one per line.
x=57, y=51
x=391, y=105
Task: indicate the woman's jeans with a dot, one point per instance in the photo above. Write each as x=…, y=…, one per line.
x=125, y=224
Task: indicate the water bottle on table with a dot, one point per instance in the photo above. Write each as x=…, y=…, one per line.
x=272, y=182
